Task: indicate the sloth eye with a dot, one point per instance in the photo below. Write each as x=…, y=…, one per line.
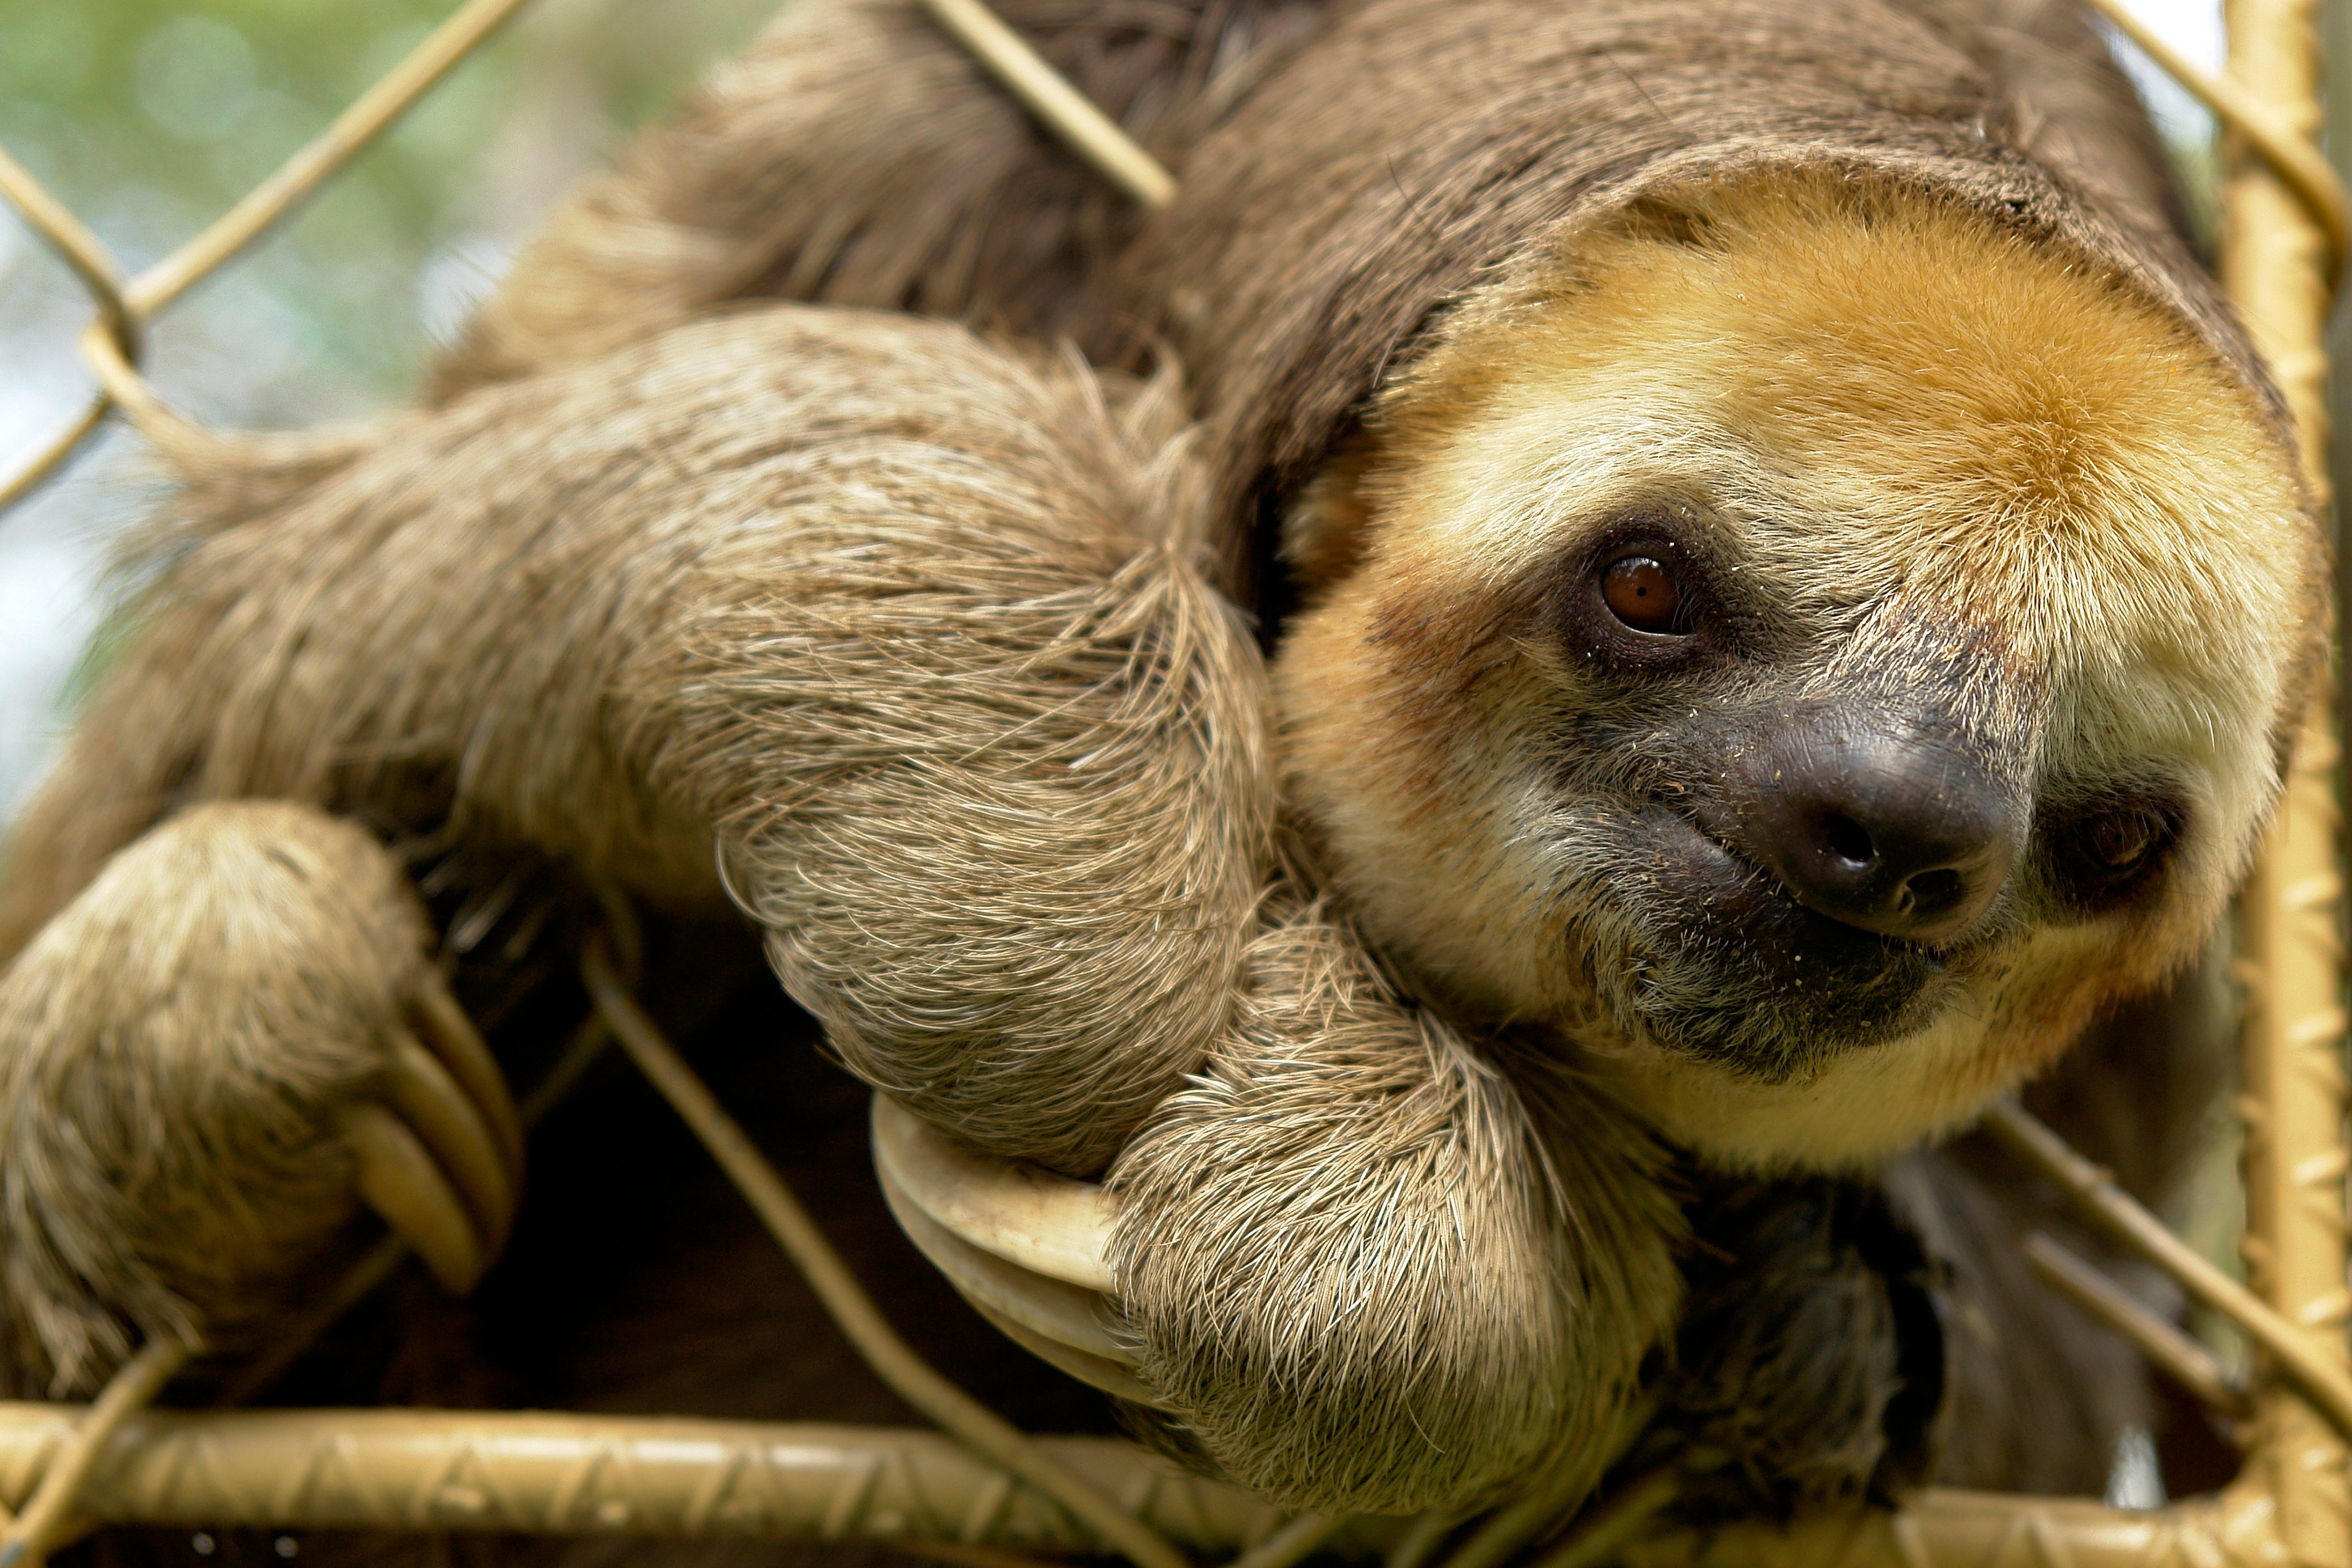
x=2119, y=840
x=1642, y=594
x=2102, y=858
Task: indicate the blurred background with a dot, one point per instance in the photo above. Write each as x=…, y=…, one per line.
x=149, y=117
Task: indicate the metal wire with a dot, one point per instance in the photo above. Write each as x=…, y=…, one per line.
x=2095, y=1193
x=2178, y=1355
x=1048, y=94
x=2286, y=150
x=28, y=1537
x=112, y=343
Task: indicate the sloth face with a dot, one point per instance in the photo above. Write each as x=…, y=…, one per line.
x=1814, y=654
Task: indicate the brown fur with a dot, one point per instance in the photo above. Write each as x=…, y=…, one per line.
x=854, y=155
x=1514, y=1241
x=905, y=640
x=202, y=1008
x=632, y=659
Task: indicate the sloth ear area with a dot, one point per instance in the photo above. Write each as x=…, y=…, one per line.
x=1326, y=531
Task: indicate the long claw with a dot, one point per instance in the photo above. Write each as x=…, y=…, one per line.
x=401, y=1182
x=453, y=1132
x=444, y=1025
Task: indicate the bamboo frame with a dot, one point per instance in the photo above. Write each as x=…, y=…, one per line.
x=2276, y=265
x=967, y=1500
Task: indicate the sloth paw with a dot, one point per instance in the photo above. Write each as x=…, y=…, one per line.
x=1809, y=1363
x=1344, y=1262
x=228, y=1043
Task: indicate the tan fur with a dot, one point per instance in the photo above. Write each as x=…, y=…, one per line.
x=181, y=1037
x=1893, y=416
x=773, y=604
x=1513, y=1238
x=711, y=663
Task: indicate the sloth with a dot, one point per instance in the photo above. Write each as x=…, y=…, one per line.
x=1614, y=617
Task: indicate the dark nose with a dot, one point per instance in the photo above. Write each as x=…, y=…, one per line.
x=1908, y=836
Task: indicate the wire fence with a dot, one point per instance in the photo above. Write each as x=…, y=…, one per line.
x=994, y=1491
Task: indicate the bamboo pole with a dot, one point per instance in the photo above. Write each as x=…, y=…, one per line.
x=498, y=1471
x=2275, y=262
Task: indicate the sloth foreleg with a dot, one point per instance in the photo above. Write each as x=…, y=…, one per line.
x=231, y=1039
x=892, y=633
x=1369, y=1270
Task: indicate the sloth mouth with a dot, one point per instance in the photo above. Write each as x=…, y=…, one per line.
x=1731, y=971
x=1752, y=871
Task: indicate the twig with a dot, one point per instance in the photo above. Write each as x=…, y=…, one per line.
x=2094, y=1192
x=2179, y=1356
x=892, y=1359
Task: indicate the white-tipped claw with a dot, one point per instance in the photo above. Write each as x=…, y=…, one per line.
x=1045, y=1223
x=1026, y=1248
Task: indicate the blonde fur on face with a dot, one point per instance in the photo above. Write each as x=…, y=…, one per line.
x=1937, y=472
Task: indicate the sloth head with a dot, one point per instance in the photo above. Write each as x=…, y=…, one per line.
x=1809, y=646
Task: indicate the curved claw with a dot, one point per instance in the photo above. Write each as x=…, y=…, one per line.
x=1060, y=1323
x=401, y=1182
x=1025, y=1247
x=1045, y=1223
x=456, y=1133
x=1058, y=1310
x=443, y=1025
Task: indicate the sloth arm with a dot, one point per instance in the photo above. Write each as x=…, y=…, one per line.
x=896, y=630
x=901, y=630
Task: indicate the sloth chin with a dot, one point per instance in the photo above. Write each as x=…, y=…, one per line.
x=1763, y=1034
x=1735, y=975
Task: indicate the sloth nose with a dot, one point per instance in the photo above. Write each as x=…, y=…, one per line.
x=1905, y=836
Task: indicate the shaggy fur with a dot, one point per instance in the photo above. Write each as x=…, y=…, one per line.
x=201, y=1013
x=790, y=583
x=1515, y=1244
x=854, y=155
x=907, y=641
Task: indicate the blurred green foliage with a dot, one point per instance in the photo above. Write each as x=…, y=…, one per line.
x=150, y=116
